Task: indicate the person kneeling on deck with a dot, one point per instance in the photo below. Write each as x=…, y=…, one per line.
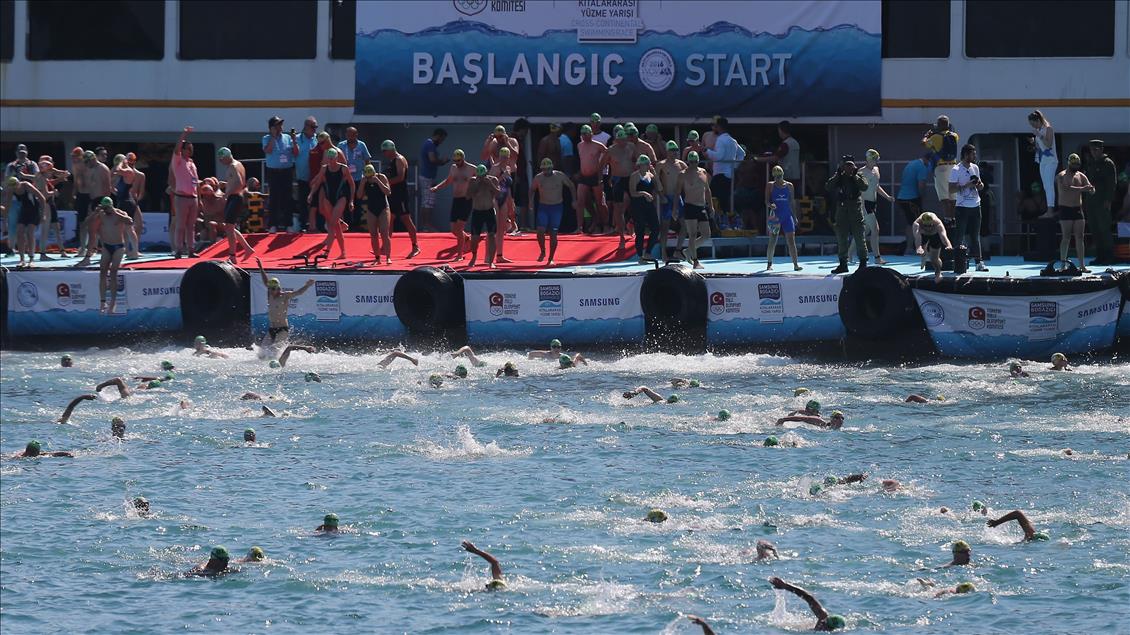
x=930, y=237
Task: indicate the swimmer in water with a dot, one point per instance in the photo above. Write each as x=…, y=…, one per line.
x=1059, y=362
x=890, y=485
x=251, y=396
x=460, y=372
x=723, y=415
x=978, y=506
x=217, y=564
x=566, y=361
x=829, y=481
x=656, y=516
x=1026, y=525
x=201, y=349
x=255, y=554
x=554, y=351
x=290, y=349
x=961, y=554
x=34, y=449
x=811, y=409
x=835, y=422
x=469, y=353
x=66, y=416
x=329, y=525
x=496, y=582
x=651, y=394
x=124, y=390
x=249, y=435
x=267, y=412
x=964, y=587
x=680, y=382
x=824, y=620
x=766, y=550
x=1015, y=370
x=706, y=630
x=509, y=369
x=67, y=361
x=278, y=301
x=920, y=399
x=395, y=355
x=118, y=428
x=141, y=507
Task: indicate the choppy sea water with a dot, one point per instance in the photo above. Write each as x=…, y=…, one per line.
x=553, y=473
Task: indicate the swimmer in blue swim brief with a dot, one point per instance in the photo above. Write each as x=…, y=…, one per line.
x=548, y=192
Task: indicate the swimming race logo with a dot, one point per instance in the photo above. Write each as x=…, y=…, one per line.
x=1043, y=320
x=657, y=70
x=976, y=318
x=327, y=303
x=27, y=294
x=932, y=313
x=551, y=307
x=770, y=306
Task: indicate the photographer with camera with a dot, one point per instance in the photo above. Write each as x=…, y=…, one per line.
x=941, y=141
x=965, y=186
x=845, y=189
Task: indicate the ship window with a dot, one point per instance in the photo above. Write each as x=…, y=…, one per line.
x=916, y=29
x=225, y=30
x=7, y=31
x=108, y=30
x=343, y=29
x=1039, y=28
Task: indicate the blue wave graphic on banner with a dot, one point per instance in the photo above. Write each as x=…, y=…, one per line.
x=467, y=68
x=61, y=322
x=349, y=327
x=999, y=346
x=795, y=329
x=571, y=331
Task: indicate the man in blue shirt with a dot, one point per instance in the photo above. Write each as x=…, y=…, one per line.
x=306, y=140
x=280, y=151
x=430, y=160
x=914, y=178
x=356, y=153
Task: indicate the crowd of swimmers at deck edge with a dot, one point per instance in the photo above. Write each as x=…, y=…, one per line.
x=219, y=561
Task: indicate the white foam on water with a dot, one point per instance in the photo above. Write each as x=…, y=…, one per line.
x=464, y=446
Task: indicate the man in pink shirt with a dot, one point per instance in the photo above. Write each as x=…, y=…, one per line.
x=185, y=205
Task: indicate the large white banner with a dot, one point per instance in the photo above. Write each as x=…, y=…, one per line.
x=339, y=305
x=66, y=302
x=663, y=58
x=1033, y=327
x=586, y=309
x=766, y=309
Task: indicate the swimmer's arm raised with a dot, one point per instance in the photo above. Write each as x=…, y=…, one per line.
x=297, y=292
x=262, y=273
x=123, y=390
x=495, y=567
x=813, y=604
x=651, y=394
x=706, y=630
x=74, y=404
x=397, y=355
x=1020, y=518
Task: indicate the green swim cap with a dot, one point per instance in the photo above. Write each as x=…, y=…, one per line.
x=461, y=371
x=657, y=516
x=586, y=129
x=621, y=134
x=978, y=506
x=694, y=383
x=815, y=489
x=672, y=146
x=275, y=364
x=547, y=163
x=154, y=384
x=117, y=421
x=565, y=361
x=167, y=365
x=219, y=552
x=800, y=391
x=831, y=480
x=555, y=343
x=724, y=415
x=1041, y=535
x=387, y=144
x=249, y=434
x=481, y=170
x=771, y=442
x=643, y=160
x=170, y=376
x=812, y=405
x=66, y=356
x=224, y=153
x=594, y=117
x=837, y=413
x=331, y=152
x=496, y=585
x=33, y=447
x=692, y=157
x=435, y=380
x=965, y=587
x=632, y=130
x=200, y=340
x=673, y=399
x=330, y=520
x=509, y=366
x=959, y=546
x=106, y=202
x=693, y=135
x=835, y=622
x=1015, y=366
x=652, y=128
x=312, y=376
x=256, y=554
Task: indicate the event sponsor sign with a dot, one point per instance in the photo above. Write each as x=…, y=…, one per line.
x=644, y=57
x=764, y=309
x=1028, y=326
x=66, y=302
x=336, y=306
x=583, y=309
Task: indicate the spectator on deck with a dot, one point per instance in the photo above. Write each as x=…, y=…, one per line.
x=315, y=220
x=965, y=184
x=1101, y=173
x=355, y=153
x=787, y=155
x=22, y=167
x=280, y=151
x=568, y=154
x=845, y=188
x=521, y=188
x=941, y=141
x=185, y=202
x=655, y=140
x=1043, y=144
x=725, y=153
x=306, y=141
x=914, y=178
x=430, y=160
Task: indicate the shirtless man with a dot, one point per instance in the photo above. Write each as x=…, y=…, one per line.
x=621, y=160
x=82, y=199
x=235, y=210
x=548, y=191
x=694, y=186
x=45, y=181
x=278, y=301
x=671, y=204
x=483, y=189
x=1072, y=183
x=458, y=176
x=97, y=184
x=494, y=144
x=201, y=349
x=589, y=187
x=217, y=564
x=110, y=225
x=929, y=240
x=185, y=207
x=642, y=146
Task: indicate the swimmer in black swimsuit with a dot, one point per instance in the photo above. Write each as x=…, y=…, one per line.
x=376, y=190
x=338, y=190
x=928, y=229
x=30, y=200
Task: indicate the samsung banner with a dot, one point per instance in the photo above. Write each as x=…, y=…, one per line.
x=759, y=310
x=338, y=306
x=679, y=59
x=65, y=302
x=585, y=310
x=1021, y=326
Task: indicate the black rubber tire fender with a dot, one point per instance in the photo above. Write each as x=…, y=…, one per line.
x=428, y=300
x=674, y=295
x=214, y=295
x=876, y=303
